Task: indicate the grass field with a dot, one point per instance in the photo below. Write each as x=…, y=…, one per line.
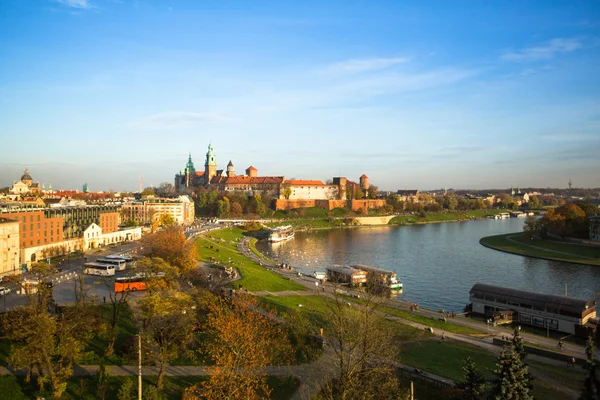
x=566, y=376
x=174, y=386
x=434, y=323
x=442, y=217
x=95, y=347
x=521, y=245
x=446, y=359
x=221, y=245
x=316, y=309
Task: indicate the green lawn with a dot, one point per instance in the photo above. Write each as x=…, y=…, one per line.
x=446, y=358
x=434, y=323
x=316, y=309
x=95, y=347
x=441, y=217
x=254, y=276
x=543, y=249
x=566, y=376
x=174, y=386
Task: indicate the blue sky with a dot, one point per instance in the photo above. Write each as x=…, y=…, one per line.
x=415, y=94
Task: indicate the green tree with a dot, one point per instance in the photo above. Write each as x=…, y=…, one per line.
x=473, y=385
x=126, y=391
x=286, y=191
x=531, y=226
x=591, y=383
x=223, y=207
x=372, y=192
x=168, y=322
x=534, y=202
x=512, y=379
x=10, y=387
x=102, y=378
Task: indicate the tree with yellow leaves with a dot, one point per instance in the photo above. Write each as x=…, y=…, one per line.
x=243, y=340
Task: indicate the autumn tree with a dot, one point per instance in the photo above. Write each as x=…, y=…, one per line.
x=171, y=245
x=362, y=343
x=591, y=383
x=243, y=340
x=372, y=192
x=168, y=321
x=166, y=220
x=48, y=339
x=531, y=226
x=236, y=209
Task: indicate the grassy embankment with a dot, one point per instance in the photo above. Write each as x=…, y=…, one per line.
x=443, y=217
x=519, y=243
x=224, y=250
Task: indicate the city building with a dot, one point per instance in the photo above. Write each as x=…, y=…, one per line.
x=25, y=185
x=151, y=209
x=9, y=247
x=551, y=312
x=46, y=232
x=594, y=223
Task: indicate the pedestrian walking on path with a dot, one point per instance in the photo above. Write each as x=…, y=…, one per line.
x=443, y=337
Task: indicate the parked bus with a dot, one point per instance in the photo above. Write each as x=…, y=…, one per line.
x=119, y=265
x=128, y=260
x=137, y=282
x=94, y=268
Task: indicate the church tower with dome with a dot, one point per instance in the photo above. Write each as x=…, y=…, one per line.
x=25, y=185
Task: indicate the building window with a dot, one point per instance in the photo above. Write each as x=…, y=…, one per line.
x=538, y=321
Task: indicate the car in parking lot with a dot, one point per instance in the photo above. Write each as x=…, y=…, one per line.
x=4, y=291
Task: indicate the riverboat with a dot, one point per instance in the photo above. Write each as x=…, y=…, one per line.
x=389, y=278
x=346, y=275
x=281, y=233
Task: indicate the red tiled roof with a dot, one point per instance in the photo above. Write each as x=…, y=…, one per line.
x=297, y=182
x=364, y=176
x=248, y=179
x=199, y=173
x=251, y=168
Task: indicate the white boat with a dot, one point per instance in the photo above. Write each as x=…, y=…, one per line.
x=281, y=233
x=389, y=278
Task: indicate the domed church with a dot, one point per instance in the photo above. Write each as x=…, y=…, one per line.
x=25, y=185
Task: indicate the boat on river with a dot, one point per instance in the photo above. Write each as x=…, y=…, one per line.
x=281, y=233
x=388, y=278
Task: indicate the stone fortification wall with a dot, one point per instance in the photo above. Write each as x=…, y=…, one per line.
x=355, y=205
x=366, y=205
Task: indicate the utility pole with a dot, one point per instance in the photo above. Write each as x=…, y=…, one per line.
x=139, y=367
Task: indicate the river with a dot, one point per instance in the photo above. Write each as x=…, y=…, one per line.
x=437, y=263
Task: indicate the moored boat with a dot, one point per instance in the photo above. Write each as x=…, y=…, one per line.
x=281, y=233
x=389, y=278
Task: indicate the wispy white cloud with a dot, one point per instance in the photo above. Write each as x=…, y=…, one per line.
x=366, y=64
x=172, y=119
x=80, y=4
x=545, y=51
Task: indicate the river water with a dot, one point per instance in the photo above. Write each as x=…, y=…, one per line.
x=437, y=263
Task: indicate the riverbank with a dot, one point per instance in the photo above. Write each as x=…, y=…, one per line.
x=520, y=244
x=337, y=222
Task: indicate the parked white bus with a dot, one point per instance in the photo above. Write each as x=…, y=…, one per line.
x=119, y=264
x=94, y=268
x=128, y=260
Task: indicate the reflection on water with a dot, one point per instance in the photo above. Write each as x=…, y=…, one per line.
x=438, y=263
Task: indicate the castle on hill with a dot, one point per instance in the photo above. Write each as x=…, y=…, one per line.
x=251, y=182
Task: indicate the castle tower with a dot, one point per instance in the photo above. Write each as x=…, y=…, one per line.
x=341, y=184
x=210, y=166
x=364, y=182
x=230, y=169
x=251, y=171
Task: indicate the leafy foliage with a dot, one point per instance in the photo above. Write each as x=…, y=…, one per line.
x=591, y=384
x=244, y=339
x=171, y=245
